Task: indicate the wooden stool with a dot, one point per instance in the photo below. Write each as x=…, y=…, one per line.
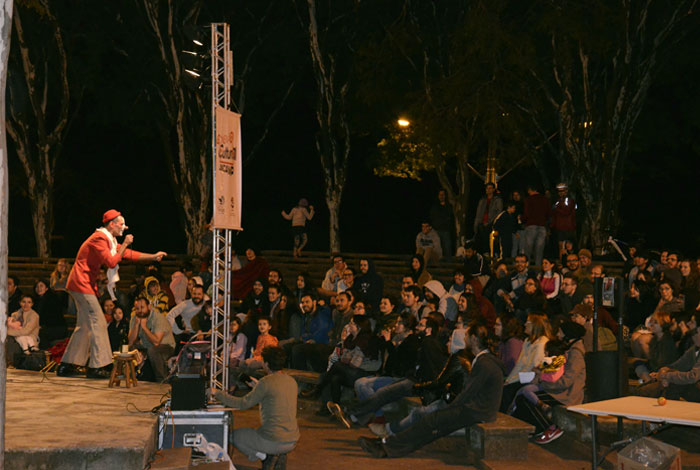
x=123, y=366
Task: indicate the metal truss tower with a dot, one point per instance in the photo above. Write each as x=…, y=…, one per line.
x=221, y=81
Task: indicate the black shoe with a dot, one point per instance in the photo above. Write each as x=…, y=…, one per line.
x=67, y=370
x=374, y=447
x=101, y=373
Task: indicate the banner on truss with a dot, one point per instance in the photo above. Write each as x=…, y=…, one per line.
x=228, y=165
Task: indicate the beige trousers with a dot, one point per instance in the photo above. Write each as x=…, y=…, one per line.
x=89, y=343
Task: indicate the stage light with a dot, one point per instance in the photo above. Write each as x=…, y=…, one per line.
x=403, y=122
x=196, y=63
x=195, y=80
x=199, y=35
x=195, y=60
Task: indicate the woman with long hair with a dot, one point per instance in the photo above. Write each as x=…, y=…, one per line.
x=662, y=346
x=554, y=384
x=550, y=282
x=690, y=284
x=418, y=272
x=356, y=356
x=538, y=332
x=49, y=307
x=509, y=331
x=118, y=329
x=59, y=276
x=238, y=343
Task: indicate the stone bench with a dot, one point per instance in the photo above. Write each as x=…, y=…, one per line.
x=503, y=439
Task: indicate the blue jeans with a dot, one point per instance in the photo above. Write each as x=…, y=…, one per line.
x=415, y=415
x=518, y=243
x=535, y=237
x=385, y=395
x=365, y=387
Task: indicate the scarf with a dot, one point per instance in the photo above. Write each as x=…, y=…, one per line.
x=112, y=273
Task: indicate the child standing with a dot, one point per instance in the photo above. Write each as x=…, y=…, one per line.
x=299, y=215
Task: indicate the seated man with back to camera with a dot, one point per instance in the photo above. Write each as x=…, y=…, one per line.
x=277, y=395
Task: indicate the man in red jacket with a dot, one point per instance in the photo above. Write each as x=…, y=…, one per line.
x=535, y=218
x=90, y=339
x=564, y=218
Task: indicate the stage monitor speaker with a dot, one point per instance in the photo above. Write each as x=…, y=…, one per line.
x=189, y=393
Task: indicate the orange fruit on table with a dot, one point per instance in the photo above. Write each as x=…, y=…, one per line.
x=662, y=401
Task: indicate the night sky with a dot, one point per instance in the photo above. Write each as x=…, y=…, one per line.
x=113, y=159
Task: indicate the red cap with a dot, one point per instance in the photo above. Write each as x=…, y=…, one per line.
x=110, y=215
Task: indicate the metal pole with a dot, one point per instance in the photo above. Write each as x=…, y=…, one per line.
x=597, y=286
x=594, y=441
x=221, y=79
x=621, y=364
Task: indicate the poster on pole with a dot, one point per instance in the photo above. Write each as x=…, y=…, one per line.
x=227, y=177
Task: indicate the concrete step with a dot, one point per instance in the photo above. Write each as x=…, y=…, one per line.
x=504, y=439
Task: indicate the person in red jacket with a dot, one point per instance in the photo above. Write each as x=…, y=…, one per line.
x=89, y=345
x=535, y=218
x=564, y=218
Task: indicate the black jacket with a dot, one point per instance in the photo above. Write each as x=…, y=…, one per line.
x=370, y=286
x=480, y=397
x=449, y=382
x=431, y=359
x=401, y=360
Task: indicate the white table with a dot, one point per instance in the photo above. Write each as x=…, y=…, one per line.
x=640, y=408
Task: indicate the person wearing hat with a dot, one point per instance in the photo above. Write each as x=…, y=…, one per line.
x=89, y=345
x=641, y=266
x=299, y=215
x=564, y=218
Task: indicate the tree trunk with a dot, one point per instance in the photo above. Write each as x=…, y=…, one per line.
x=5, y=31
x=186, y=130
x=40, y=188
x=42, y=216
x=457, y=194
x=333, y=137
x=38, y=134
x=333, y=203
x=597, y=98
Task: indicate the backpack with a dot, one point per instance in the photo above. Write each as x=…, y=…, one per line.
x=35, y=360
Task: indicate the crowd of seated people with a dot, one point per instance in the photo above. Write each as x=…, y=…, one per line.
x=534, y=321
x=540, y=319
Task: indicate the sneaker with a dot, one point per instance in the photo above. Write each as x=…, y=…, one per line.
x=373, y=447
x=337, y=411
x=550, y=434
x=378, y=429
